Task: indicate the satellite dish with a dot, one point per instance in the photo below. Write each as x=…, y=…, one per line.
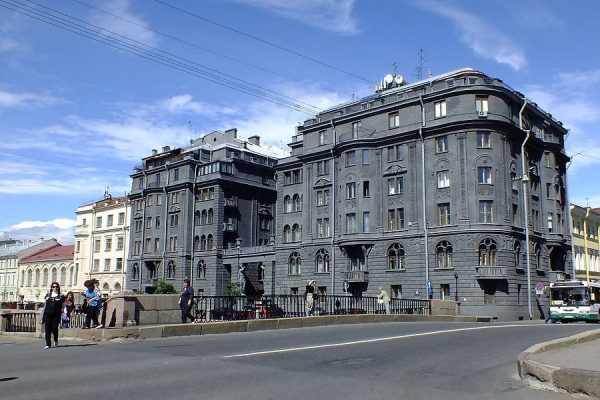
x=389, y=78
x=399, y=79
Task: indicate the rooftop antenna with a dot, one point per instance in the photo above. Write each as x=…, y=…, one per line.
x=395, y=65
x=422, y=60
x=190, y=128
x=106, y=193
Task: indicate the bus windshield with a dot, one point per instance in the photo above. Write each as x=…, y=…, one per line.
x=570, y=296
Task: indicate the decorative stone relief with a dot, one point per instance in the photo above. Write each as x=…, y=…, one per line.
x=443, y=194
x=350, y=204
x=485, y=190
x=396, y=200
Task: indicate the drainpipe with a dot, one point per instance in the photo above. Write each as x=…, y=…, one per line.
x=525, y=180
x=586, y=256
x=569, y=217
x=332, y=265
x=193, y=219
x=166, y=220
x=423, y=195
x=144, y=183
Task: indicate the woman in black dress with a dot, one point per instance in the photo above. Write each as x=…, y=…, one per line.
x=52, y=311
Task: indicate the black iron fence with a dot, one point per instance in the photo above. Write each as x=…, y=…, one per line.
x=219, y=308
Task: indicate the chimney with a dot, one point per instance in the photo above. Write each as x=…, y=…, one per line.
x=166, y=148
x=254, y=140
x=154, y=152
x=231, y=132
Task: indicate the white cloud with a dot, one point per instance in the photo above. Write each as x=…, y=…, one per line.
x=485, y=40
x=333, y=15
x=62, y=229
x=26, y=100
x=120, y=25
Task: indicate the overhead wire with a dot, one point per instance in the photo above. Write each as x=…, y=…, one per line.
x=266, y=42
x=151, y=53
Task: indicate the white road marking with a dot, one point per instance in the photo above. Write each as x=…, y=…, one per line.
x=323, y=346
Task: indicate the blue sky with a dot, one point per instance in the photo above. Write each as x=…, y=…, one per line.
x=76, y=115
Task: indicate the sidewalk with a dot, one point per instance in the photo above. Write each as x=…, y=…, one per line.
x=571, y=364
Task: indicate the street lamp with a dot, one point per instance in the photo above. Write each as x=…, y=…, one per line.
x=456, y=287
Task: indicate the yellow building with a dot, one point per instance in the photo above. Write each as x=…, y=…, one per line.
x=586, y=244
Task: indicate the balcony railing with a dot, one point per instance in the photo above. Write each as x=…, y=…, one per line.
x=490, y=272
x=356, y=276
x=248, y=250
x=230, y=226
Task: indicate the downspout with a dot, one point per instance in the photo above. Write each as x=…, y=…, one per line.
x=586, y=256
x=332, y=266
x=144, y=183
x=525, y=179
x=423, y=195
x=193, y=222
x=125, y=245
x=166, y=220
x=569, y=217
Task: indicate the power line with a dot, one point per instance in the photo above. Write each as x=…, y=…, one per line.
x=152, y=54
x=262, y=41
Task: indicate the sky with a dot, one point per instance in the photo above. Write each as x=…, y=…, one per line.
x=88, y=87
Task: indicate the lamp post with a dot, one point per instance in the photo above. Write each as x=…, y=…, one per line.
x=238, y=242
x=456, y=287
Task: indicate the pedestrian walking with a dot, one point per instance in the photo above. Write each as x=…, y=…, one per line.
x=67, y=310
x=384, y=298
x=310, y=295
x=52, y=312
x=185, y=301
x=92, y=301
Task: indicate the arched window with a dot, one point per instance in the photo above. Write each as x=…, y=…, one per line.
x=203, y=242
x=204, y=217
x=209, y=242
x=197, y=217
x=54, y=274
x=297, y=203
x=37, y=278
x=294, y=264
x=196, y=243
x=63, y=276
x=296, y=233
x=287, y=234
x=211, y=216
x=29, y=273
x=395, y=257
x=443, y=253
x=517, y=254
x=287, y=204
x=71, y=271
x=201, y=270
x=117, y=287
x=106, y=287
x=45, y=277
x=171, y=270
x=487, y=252
x=322, y=260
x=135, y=272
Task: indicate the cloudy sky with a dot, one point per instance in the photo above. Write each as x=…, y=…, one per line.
x=89, y=87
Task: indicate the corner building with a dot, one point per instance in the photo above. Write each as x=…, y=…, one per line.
x=426, y=182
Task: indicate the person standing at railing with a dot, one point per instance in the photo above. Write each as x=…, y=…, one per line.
x=185, y=301
x=52, y=310
x=309, y=294
x=384, y=298
x=67, y=310
x=92, y=301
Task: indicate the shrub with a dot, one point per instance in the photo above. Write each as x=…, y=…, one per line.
x=163, y=287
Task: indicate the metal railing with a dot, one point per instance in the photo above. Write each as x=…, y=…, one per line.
x=223, y=308
x=491, y=272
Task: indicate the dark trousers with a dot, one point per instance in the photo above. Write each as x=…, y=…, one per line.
x=51, y=327
x=91, y=314
x=185, y=314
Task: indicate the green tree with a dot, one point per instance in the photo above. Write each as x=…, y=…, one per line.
x=163, y=287
x=233, y=289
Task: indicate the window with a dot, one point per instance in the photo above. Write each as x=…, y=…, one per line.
x=107, y=244
x=98, y=222
x=516, y=221
x=106, y=264
x=365, y=187
x=147, y=245
x=517, y=255
x=351, y=223
x=395, y=219
x=355, y=129
x=176, y=174
x=297, y=203
x=135, y=272
x=481, y=105
x=201, y=270
x=197, y=219
x=157, y=221
x=396, y=292
x=294, y=264
x=287, y=234
x=156, y=245
x=483, y=140
x=322, y=137
x=296, y=233
x=209, y=242
x=148, y=222
x=443, y=252
x=484, y=175
x=444, y=214
x=549, y=191
x=351, y=190
x=96, y=265
x=366, y=222
x=394, y=120
x=395, y=257
x=173, y=243
x=441, y=144
x=323, y=167
x=287, y=204
x=323, y=227
x=158, y=200
x=550, y=223
x=109, y=220
x=486, y=215
x=322, y=261
x=171, y=269
x=140, y=183
x=78, y=247
x=297, y=176
x=487, y=252
x=157, y=179
x=350, y=158
x=137, y=246
x=210, y=216
x=440, y=108
x=174, y=197
x=443, y=179
x=365, y=156
x=445, y=291
x=395, y=153
x=174, y=220
x=150, y=200
x=396, y=185
x=97, y=245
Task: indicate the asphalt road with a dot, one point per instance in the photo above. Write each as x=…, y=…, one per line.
x=370, y=361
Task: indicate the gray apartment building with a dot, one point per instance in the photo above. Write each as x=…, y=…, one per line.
x=206, y=212
x=453, y=187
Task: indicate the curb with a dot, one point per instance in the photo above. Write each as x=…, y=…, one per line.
x=570, y=379
x=212, y=328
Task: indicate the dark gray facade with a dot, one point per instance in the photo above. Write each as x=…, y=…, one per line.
x=426, y=182
x=201, y=212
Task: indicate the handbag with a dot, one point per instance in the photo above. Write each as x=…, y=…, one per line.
x=379, y=301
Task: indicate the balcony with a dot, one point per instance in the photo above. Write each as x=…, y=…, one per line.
x=490, y=272
x=229, y=226
x=356, y=276
x=231, y=202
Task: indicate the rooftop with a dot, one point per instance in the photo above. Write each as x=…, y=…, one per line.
x=58, y=252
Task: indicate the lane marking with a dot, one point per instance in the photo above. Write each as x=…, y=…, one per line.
x=354, y=342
